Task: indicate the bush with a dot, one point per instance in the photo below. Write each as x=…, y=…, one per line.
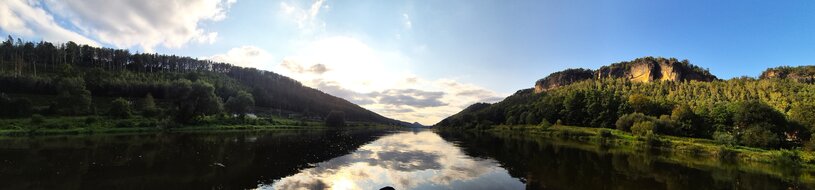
x=545, y=124
x=120, y=108
x=724, y=138
x=334, y=119
x=124, y=124
x=725, y=154
x=643, y=128
x=757, y=136
x=787, y=158
x=91, y=120
x=149, y=108
x=810, y=144
x=37, y=120
x=605, y=133
x=625, y=122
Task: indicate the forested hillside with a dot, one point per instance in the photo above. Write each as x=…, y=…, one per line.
x=64, y=79
x=766, y=113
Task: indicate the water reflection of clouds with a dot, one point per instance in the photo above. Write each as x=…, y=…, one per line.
x=404, y=161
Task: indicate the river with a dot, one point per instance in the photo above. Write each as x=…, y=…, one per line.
x=349, y=159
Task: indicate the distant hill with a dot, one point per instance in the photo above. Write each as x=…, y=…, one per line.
x=30, y=68
x=646, y=69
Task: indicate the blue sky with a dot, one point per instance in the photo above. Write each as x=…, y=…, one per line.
x=424, y=60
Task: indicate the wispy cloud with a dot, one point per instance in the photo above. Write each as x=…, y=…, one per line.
x=406, y=21
x=294, y=66
x=245, y=56
x=305, y=17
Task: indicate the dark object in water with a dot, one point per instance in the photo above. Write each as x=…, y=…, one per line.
x=387, y=188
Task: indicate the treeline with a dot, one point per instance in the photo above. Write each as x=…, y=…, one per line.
x=767, y=113
x=79, y=71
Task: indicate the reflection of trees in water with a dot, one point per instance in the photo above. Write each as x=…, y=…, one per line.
x=543, y=165
x=174, y=161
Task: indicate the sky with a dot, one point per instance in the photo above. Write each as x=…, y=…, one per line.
x=423, y=60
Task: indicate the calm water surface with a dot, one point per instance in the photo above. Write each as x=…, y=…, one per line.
x=346, y=160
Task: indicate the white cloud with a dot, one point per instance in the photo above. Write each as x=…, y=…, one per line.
x=304, y=17
x=245, y=56
x=406, y=21
x=379, y=80
x=129, y=23
x=28, y=18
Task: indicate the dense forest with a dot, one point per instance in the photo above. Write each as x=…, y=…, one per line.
x=45, y=79
x=769, y=112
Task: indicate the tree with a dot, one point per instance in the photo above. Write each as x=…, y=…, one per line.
x=688, y=123
x=240, y=104
x=148, y=107
x=641, y=103
x=194, y=100
x=759, y=124
x=573, y=108
x=73, y=98
x=335, y=119
x=120, y=108
x=759, y=135
x=18, y=107
x=803, y=114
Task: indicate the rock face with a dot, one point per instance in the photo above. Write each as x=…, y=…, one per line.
x=562, y=78
x=646, y=69
x=805, y=74
x=650, y=69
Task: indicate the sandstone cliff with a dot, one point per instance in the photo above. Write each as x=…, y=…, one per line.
x=646, y=69
x=805, y=74
x=562, y=78
x=650, y=69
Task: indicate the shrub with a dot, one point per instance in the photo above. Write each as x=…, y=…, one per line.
x=605, y=133
x=124, y=124
x=120, y=108
x=545, y=124
x=724, y=138
x=334, y=119
x=787, y=158
x=625, y=122
x=643, y=128
x=757, y=136
x=810, y=144
x=725, y=154
x=91, y=120
x=37, y=120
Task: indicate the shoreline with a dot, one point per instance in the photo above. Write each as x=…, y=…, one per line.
x=697, y=153
x=212, y=128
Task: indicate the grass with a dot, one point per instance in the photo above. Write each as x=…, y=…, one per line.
x=66, y=125
x=681, y=150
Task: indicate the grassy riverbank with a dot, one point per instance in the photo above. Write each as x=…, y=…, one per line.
x=95, y=124
x=693, y=151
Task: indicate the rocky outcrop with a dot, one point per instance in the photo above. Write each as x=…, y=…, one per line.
x=649, y=69
x=562, y=78
x=805, y=74
x=646, y=69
